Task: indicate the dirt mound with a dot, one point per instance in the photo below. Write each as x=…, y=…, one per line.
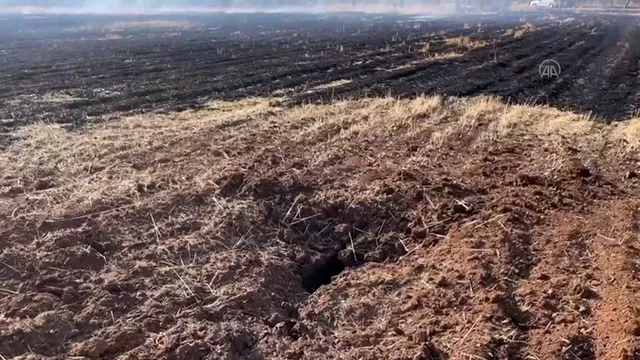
x=430, y=228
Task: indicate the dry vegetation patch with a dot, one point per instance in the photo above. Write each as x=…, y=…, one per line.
x=465, y=42
x=142, y=25
x=456, y=228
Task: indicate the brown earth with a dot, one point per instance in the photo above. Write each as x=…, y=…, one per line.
x=180, y=218
x=431, y=228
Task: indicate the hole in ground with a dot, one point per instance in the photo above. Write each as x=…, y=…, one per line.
x=321, y=272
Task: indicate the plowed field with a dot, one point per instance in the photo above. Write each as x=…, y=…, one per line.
x=276, y=187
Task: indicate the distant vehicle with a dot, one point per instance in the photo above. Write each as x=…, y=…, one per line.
x=544, y=4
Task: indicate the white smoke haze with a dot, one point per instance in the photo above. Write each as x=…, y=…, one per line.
x=228, y=6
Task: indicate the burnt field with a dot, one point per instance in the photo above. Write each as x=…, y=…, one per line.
x=70, y=69
x=276, y=187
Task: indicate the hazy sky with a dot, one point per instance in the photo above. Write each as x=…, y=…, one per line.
x=107, y=3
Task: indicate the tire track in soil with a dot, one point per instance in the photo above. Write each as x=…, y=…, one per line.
x=588, y=83
x=413, y=77
x=560, y=298
x=531, y=87
x=508, y=329
x=634, y=73
x=497, y=252
x=474, y=59
x=516, y=69
x=619, y=91
x=616, y=251
x=586, y=89
x=246, y=85
x=540, y=40
x=420, y=79
x=531, y=307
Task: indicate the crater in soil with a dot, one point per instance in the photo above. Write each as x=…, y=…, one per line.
x=321, y=272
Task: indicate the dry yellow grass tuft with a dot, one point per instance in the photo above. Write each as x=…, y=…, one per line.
x=520, y=31
x=465, y=42
x=332, y=84
x=107, y=162
x=49, y=148
x=59, y=98
x=627, y=133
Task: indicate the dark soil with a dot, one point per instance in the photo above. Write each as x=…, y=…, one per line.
x=234, y=56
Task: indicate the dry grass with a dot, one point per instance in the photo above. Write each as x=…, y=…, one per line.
x=520, y=31
x=449, y=46
x=108, y=162
x=516, y=33
x=465, y=42
x=440, y=55
x=627, y=133
x=59, y=98
x=121, y=26
x=331, y=84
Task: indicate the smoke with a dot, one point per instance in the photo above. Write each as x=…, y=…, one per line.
x=203, y=6
x=101, y=4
